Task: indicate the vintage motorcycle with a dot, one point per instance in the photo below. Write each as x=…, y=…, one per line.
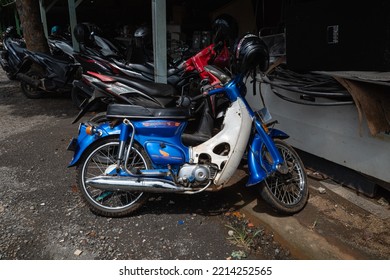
x=121, y=162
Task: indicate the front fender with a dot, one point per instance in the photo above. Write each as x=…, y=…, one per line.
x=256, y=172
x=259, y=166
x=85, y=140
x=277, y=134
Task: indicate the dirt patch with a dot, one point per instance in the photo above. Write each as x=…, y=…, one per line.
x=350, y=227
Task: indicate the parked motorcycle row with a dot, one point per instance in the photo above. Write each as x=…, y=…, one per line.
x=38, y=72
x=187, y=136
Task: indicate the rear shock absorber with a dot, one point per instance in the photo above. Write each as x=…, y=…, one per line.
x=125, y=130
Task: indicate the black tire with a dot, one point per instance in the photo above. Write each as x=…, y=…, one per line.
x=109, y=203
x=28, y=90
x=286, y=193
x=99, y=118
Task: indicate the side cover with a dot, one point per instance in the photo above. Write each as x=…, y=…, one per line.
x=235, y=135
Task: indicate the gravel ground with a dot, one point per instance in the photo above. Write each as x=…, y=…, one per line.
x=42, y=215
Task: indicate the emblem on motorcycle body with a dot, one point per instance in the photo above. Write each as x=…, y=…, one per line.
x=160, y=124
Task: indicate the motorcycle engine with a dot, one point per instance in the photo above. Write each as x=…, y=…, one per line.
x=196, y=174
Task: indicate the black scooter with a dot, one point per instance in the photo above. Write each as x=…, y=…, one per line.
x=38, y=72
x=14, y=50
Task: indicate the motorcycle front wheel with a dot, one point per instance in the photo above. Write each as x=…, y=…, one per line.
x=286, y=193
x=99, y=158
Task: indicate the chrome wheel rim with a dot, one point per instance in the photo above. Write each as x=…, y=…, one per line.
x=96, y=164
x=288, y=188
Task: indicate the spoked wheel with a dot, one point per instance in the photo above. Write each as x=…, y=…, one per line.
x=28, y=90
x=287, y=193
x=99, y=160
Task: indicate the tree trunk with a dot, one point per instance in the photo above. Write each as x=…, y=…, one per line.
x=30, y=18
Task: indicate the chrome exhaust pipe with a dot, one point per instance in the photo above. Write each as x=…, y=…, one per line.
x=136, y=184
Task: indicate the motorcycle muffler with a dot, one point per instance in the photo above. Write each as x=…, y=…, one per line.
x=115, y=183
x=27, y=79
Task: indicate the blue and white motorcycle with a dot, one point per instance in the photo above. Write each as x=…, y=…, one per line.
x=141, y=151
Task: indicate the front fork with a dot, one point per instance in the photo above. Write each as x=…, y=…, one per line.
x=259, y=169
x=123, y=136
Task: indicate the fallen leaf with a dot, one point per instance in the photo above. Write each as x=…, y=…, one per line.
x=74, y=189
x=237, y=214
x=78, y=252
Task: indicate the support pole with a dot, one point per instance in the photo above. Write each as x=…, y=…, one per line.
x=17, y=22
x=43, y=18
x=159, y=22
x=73, y=21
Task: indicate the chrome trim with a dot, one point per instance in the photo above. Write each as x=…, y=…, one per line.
x=115, y=183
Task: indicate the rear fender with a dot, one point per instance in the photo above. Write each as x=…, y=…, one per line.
x=84, y=140
x=86, y=108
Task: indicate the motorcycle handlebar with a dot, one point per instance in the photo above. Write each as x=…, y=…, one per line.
x=207, y=90
x=186, y=101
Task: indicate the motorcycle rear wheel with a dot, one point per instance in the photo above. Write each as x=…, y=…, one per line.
x=286, y=193
x=28, y=90
x=95, y=162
